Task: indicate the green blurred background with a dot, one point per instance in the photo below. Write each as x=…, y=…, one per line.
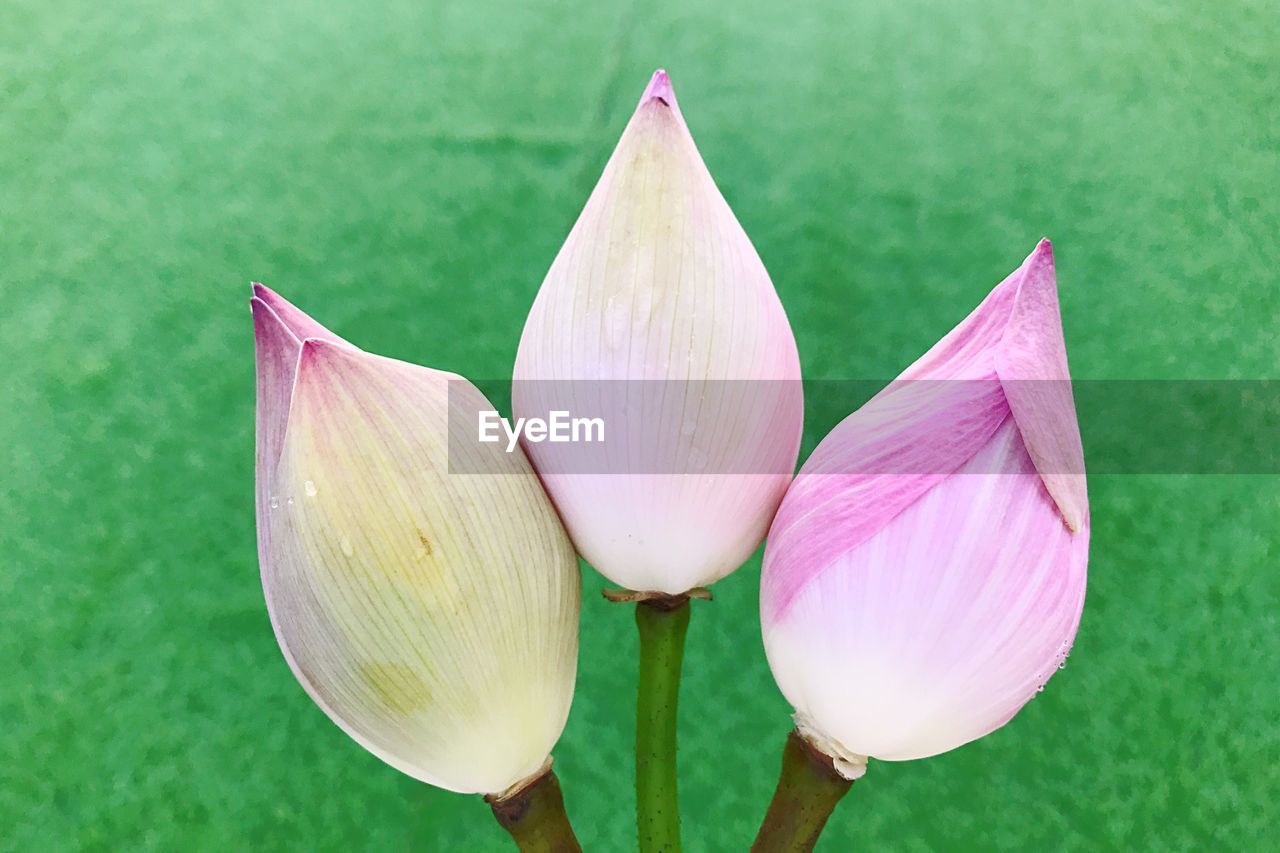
x=406, y=170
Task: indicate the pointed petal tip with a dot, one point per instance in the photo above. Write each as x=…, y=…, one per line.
x=1038, y=272
x=298, y=322
x=270, y=312
x=274, y=301
x=1043, y=251
x=265, y=316
x=318, y=349
x=321, y=361
x=660, y=88
x=261, y=295
x=331, y=353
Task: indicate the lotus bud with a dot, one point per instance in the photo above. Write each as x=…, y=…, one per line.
x=926, y=571
x=658, y=317
x=433, y=616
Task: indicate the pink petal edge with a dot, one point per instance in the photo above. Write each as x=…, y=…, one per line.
x=299, y=324
x=1031, y=362
x=276, y=357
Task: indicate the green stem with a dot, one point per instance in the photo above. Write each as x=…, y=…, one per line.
x=535, y=817
x=663, y=623
x=808, y=791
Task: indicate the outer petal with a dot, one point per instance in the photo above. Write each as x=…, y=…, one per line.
x=278, y=332
x=433, y=616
x=657, y=283
x=938, y=628
x=1032, y=364
x=277, y=358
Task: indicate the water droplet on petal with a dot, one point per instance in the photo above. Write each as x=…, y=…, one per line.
x=345, y=545
x=274, y=503
x=289, y=501
x=310, y=488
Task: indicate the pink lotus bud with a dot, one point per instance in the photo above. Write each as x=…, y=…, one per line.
x=926, y=572
x=658, y=317
x=433, y=616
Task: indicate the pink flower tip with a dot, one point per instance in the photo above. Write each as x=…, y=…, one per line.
x=318, y=351
x=1043, y=251
x=659, y=87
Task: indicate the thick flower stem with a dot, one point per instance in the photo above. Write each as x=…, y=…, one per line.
x=808, y=791
x=535, y=816
x=663, y=623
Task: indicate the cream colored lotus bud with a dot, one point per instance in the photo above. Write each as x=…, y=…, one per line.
x=432, y=615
